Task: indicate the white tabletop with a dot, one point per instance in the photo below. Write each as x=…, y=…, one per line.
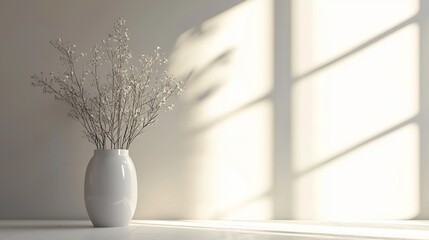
x=190, y=230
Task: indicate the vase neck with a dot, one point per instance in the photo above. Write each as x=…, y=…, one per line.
x=121, y=152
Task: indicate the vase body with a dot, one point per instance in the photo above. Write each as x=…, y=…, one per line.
x=110, y=188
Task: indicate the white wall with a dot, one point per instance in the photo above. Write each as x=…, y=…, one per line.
x=357, y=133
x=199, y=160
x=292, y=109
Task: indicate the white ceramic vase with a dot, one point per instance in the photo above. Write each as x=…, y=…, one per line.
x=110, y=188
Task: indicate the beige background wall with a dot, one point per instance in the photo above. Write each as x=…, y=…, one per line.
x=292, y=109
x=182, y=163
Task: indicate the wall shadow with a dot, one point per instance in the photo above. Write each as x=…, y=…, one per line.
x=165, y=156
x=423, y=22
x=282, y=101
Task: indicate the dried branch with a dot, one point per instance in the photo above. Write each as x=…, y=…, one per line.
x=116, y=108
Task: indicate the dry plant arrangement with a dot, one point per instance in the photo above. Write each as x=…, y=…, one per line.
x=114, y=100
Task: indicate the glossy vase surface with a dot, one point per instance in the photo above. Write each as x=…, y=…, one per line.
x=110, y=188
